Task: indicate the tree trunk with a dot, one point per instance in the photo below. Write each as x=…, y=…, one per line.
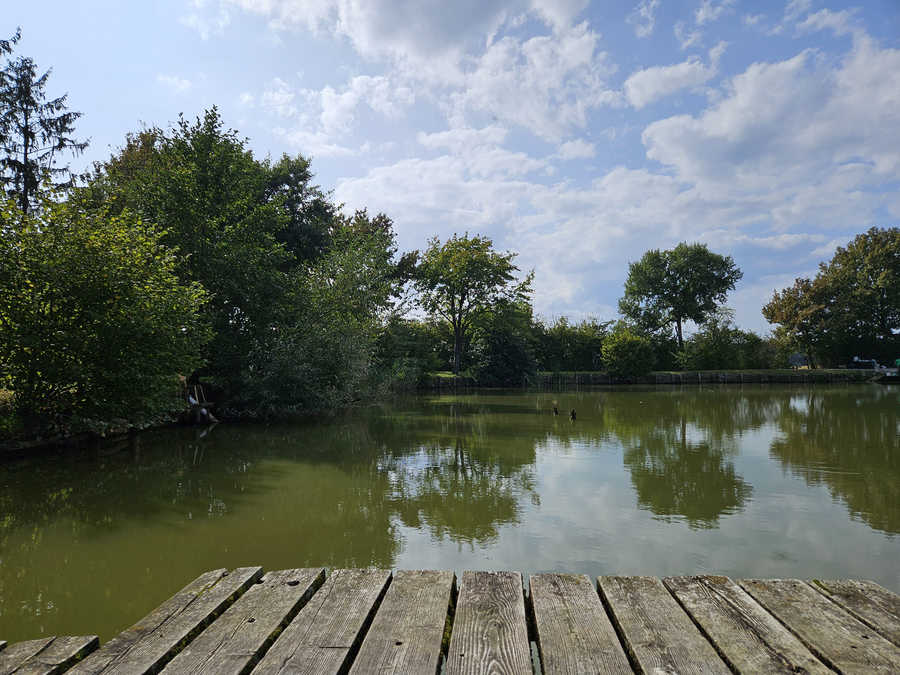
x=457, y=348
x=678, y=331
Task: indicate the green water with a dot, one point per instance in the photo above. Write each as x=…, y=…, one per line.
x=752, y=481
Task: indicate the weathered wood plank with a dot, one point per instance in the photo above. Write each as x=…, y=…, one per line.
x=868, y=602
x=406, y=634
x=658, y=634
x=58, y=655
x=749, y=638
x=574, y=634
x=840, y=640
x=237, y=639
x=490, y=634
x=150, y=643
x=17, y=654
x=322, y=638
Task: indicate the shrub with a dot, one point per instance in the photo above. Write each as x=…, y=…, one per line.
x=627, y=354
x=93, y=320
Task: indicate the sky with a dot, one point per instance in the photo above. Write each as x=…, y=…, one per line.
x=578, y=134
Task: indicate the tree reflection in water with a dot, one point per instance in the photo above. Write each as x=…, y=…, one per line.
x=849, y=441
x=677, y=476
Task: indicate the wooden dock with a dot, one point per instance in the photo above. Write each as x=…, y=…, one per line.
x=372, y=621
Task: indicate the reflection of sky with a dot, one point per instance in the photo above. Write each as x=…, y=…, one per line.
x=586, y=522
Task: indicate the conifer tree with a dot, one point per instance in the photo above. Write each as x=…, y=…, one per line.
x=34, y=131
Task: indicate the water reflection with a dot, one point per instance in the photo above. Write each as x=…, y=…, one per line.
x=849, y=443
x=90, y=542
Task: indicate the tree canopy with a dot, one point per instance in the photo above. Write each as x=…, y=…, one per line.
x=34, y=131
x=460, y=279
x=665, y=288
x=94, y=322
x=851, y=307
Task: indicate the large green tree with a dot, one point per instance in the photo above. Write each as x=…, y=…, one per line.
x=460, y=279
x=852, y=306
x=667, y=288
x=241, y=225
x=322, y=353
x=34, y=131
x=94, y=322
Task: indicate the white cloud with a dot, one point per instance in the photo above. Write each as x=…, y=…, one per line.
x=466, y=138
x=178, y=85
x=710, y=10
x=577, y=149
x=559, y=13
x=409, y=30
x=803, y=137
x=314, y=143
x=547, y=84
x=279, y=98
x=643, y=18
x=793, y=154
x=246, y=98
x=651, y=84
x=796, y=8
x=203, y=22
x=792, y=12
x=685, y=37
x=752, y=19
x=841, y=23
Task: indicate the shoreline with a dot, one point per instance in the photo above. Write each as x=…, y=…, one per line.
x=13, y=449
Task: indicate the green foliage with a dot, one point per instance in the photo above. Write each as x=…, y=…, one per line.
x=461, y=278
x=241, y=225
x=94, y=322
x=409, y=348
x=665, y=288
x=852, y=306
x=626, y=354
x=33, y=131
x=502, y=351
x=720, y=345
x=563, y=346
x=322, y=354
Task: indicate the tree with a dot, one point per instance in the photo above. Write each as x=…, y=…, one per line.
x=665, y=288
x=567, y=346
x=224, y=212
x=721, y=345
x=800, y=310
x=94, y=322
x=627, y=354
x=321, y=354
x=33, y=131
x=460, y=279
x=503, y=349
x=851, y=307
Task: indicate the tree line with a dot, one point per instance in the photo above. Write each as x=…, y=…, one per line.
x=183, y=258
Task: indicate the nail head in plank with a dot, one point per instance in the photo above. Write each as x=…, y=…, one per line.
x=574, y=634
x=840, y=640
x=323, y=637
x=867, y=601
x=658, y=634
x=236, y=640
x=154, y=640
x=748, y=637
x=490, y=634
x=406, y=633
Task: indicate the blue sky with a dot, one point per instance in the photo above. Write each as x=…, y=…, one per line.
x=579, y=134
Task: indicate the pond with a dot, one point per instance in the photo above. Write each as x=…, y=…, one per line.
x=744, y=481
